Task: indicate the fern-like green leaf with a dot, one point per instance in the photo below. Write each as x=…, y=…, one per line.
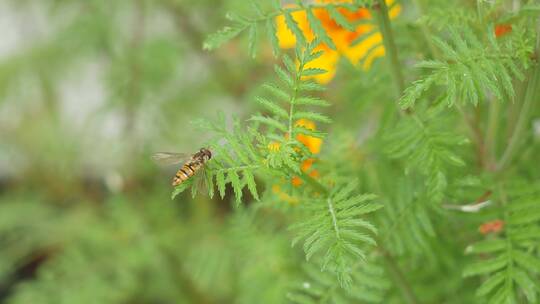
x=214, y=41
x=468, y=70
x=370, y=285
x=333, y=225
x=407, y=225
x=427, y=149
x=512, y=261
x=339, y=18
x=318, y=29
x=295, y=29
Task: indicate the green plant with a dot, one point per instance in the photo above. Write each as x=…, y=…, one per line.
x=470, y=65
x=346, y=185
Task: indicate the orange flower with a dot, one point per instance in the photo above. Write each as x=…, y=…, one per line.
x=491, y=227
x=312, y=143
x=502, y=29
x=306, y=165
x=314, y=146
x=367, y=50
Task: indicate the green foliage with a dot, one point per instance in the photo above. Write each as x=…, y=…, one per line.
x=468, y=70
x=235, y=159
x=319, y=287
x=252, y=153
x=245, y=239
x=333, y=225
x=511, y=263
x=265, y=17
x=426, y=148
x=97, y=258
x=18, y=246
x=298, y=168
x=269, y=145
x=407, y=221
x=528, y=10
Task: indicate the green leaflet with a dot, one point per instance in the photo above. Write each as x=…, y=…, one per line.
x=512, y=265
x=467, y=70
x=371, y=284
x=266, y=18
x=333, y=229
x=240, y=155
x=214, y=41
x=426, y=148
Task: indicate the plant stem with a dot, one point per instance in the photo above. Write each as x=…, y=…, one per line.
x=294, y=97
x=533, y=86
x=381, y=10
x=334, y=218
x=312, y=182
x=490, y=140
x=484, y=146
x=476, y=135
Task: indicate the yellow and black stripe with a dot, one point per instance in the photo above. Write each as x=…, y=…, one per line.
x=188, y=170
x=191, y=167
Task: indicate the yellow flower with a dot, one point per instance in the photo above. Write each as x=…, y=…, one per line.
x=367, y=50
x=284, y=196
x=274, y=146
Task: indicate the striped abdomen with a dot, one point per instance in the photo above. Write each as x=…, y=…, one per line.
x=188, y=170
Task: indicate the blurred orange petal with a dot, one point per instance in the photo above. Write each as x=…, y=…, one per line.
x=285, y=35
x=284, y=196
x=493, y=226
x=484, y=228
x=502, y=29
x=314, y=174
x=376, y=53
x=394, y=11
x=312, y=143
x=296, y=181
x=359, y=51
x=497, y=226
x=307, y=164
x=367, y=50
x=327, y=61
x=306, y=123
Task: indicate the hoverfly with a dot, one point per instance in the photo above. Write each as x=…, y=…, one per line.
x=192, y=163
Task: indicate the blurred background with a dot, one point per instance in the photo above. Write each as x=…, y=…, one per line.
x=88, y=91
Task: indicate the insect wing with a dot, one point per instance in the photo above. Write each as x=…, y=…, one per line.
x=170, y=158
x=200, y=184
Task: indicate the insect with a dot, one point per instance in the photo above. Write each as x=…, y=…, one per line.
x=193, y=163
